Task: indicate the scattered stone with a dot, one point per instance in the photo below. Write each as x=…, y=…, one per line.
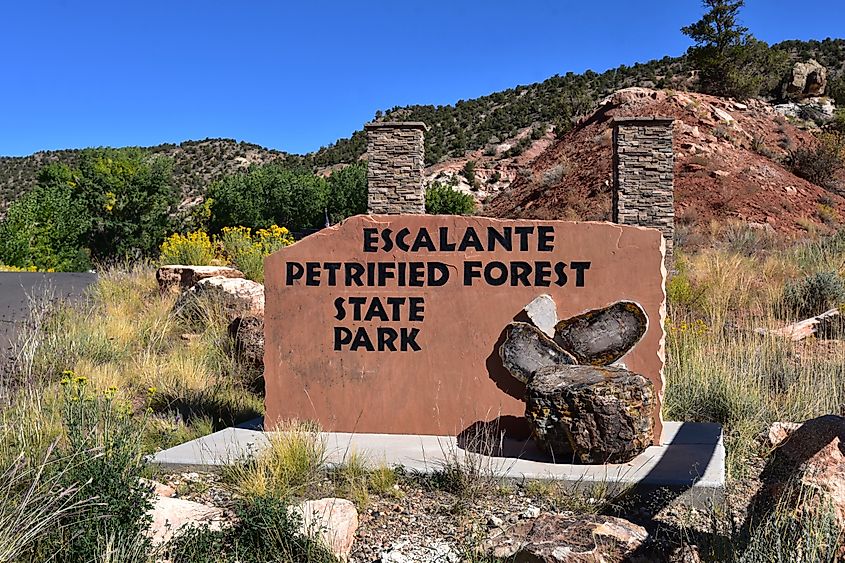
x=597, y=414
x=720, y=173
x=333, y=520
x=568, y=538
x=237, y=296
x=530, y=512
x=495, y=522
x=159, y=489
x=177, y=277
x=543, y=313
x=602, y=336
x=527, y=349
x=172, y=514
x=722, y=115
x=807, y=80
x=432, y=551
x=247, y=333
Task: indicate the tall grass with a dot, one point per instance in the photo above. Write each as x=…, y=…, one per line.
x=719, y=369
x=126, y=338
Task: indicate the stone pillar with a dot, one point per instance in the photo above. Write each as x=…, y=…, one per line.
x=395, y=164
x=643, y=174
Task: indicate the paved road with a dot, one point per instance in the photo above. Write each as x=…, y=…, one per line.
x=18, y=288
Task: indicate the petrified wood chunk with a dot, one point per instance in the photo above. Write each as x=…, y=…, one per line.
x=526, y=349
x=601, y=414
x=602, y=336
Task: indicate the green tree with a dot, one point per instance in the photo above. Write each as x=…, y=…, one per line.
x=269, y=195
x=730, y=61
x=129, y=196
x=347, y=192
x=47, y=229
x=468, y=172
x=441, y=199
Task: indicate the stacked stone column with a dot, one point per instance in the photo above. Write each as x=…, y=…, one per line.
x=643, y=174
x=395, y=167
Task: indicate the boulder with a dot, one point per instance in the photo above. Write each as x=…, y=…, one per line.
x=542, y=311
x=247, y=334
x=567, y=538
x=526, y=349
x=169, y=515
x=175, y=278
x=807, y=469
x=596, y=414
x=237, y=297
x=807, y=80
x=333, y=521
x=602, y=336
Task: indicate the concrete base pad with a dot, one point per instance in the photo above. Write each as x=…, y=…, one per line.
x=690, y=462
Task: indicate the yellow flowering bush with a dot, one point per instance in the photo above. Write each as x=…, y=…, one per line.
x=246, y=251
x=5, y=268
x=237, y=246
x=193, y=249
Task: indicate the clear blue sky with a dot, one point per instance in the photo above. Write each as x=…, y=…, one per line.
x=295, y=75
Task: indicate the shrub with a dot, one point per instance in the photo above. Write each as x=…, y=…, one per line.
x=468, y=172
x=192, y=249
x=441, y=199
x=820, y=163
x=246, y=251
x=265, y=528
x=102, y=453
x=813, y=294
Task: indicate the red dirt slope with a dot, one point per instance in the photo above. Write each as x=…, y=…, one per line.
x=728, y=166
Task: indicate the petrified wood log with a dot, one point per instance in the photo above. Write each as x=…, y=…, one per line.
x=602, y=336
x=526, y=349
x=599, y=414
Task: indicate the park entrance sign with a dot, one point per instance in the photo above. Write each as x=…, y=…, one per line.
x=394, y=323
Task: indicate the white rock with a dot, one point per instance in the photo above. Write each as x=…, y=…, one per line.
x=172, y=514
x=722, y=115
x=543, y=313
x=333, y=521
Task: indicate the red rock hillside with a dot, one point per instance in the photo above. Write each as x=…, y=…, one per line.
x=728, y=166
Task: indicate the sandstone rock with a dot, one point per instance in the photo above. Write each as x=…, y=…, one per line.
x=812, y=459
x=780, y=431
x=567, y=538
x=172, y=514
x=602, y=336
x=178, y=277
x=527, y=349
x=333, y=521
x=722, y=115
x=237, y=297
x=543, y=313
x=597, y=414
x=806, y=80
x=247, y=333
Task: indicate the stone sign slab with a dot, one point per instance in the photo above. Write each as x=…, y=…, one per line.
x=392, y=324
